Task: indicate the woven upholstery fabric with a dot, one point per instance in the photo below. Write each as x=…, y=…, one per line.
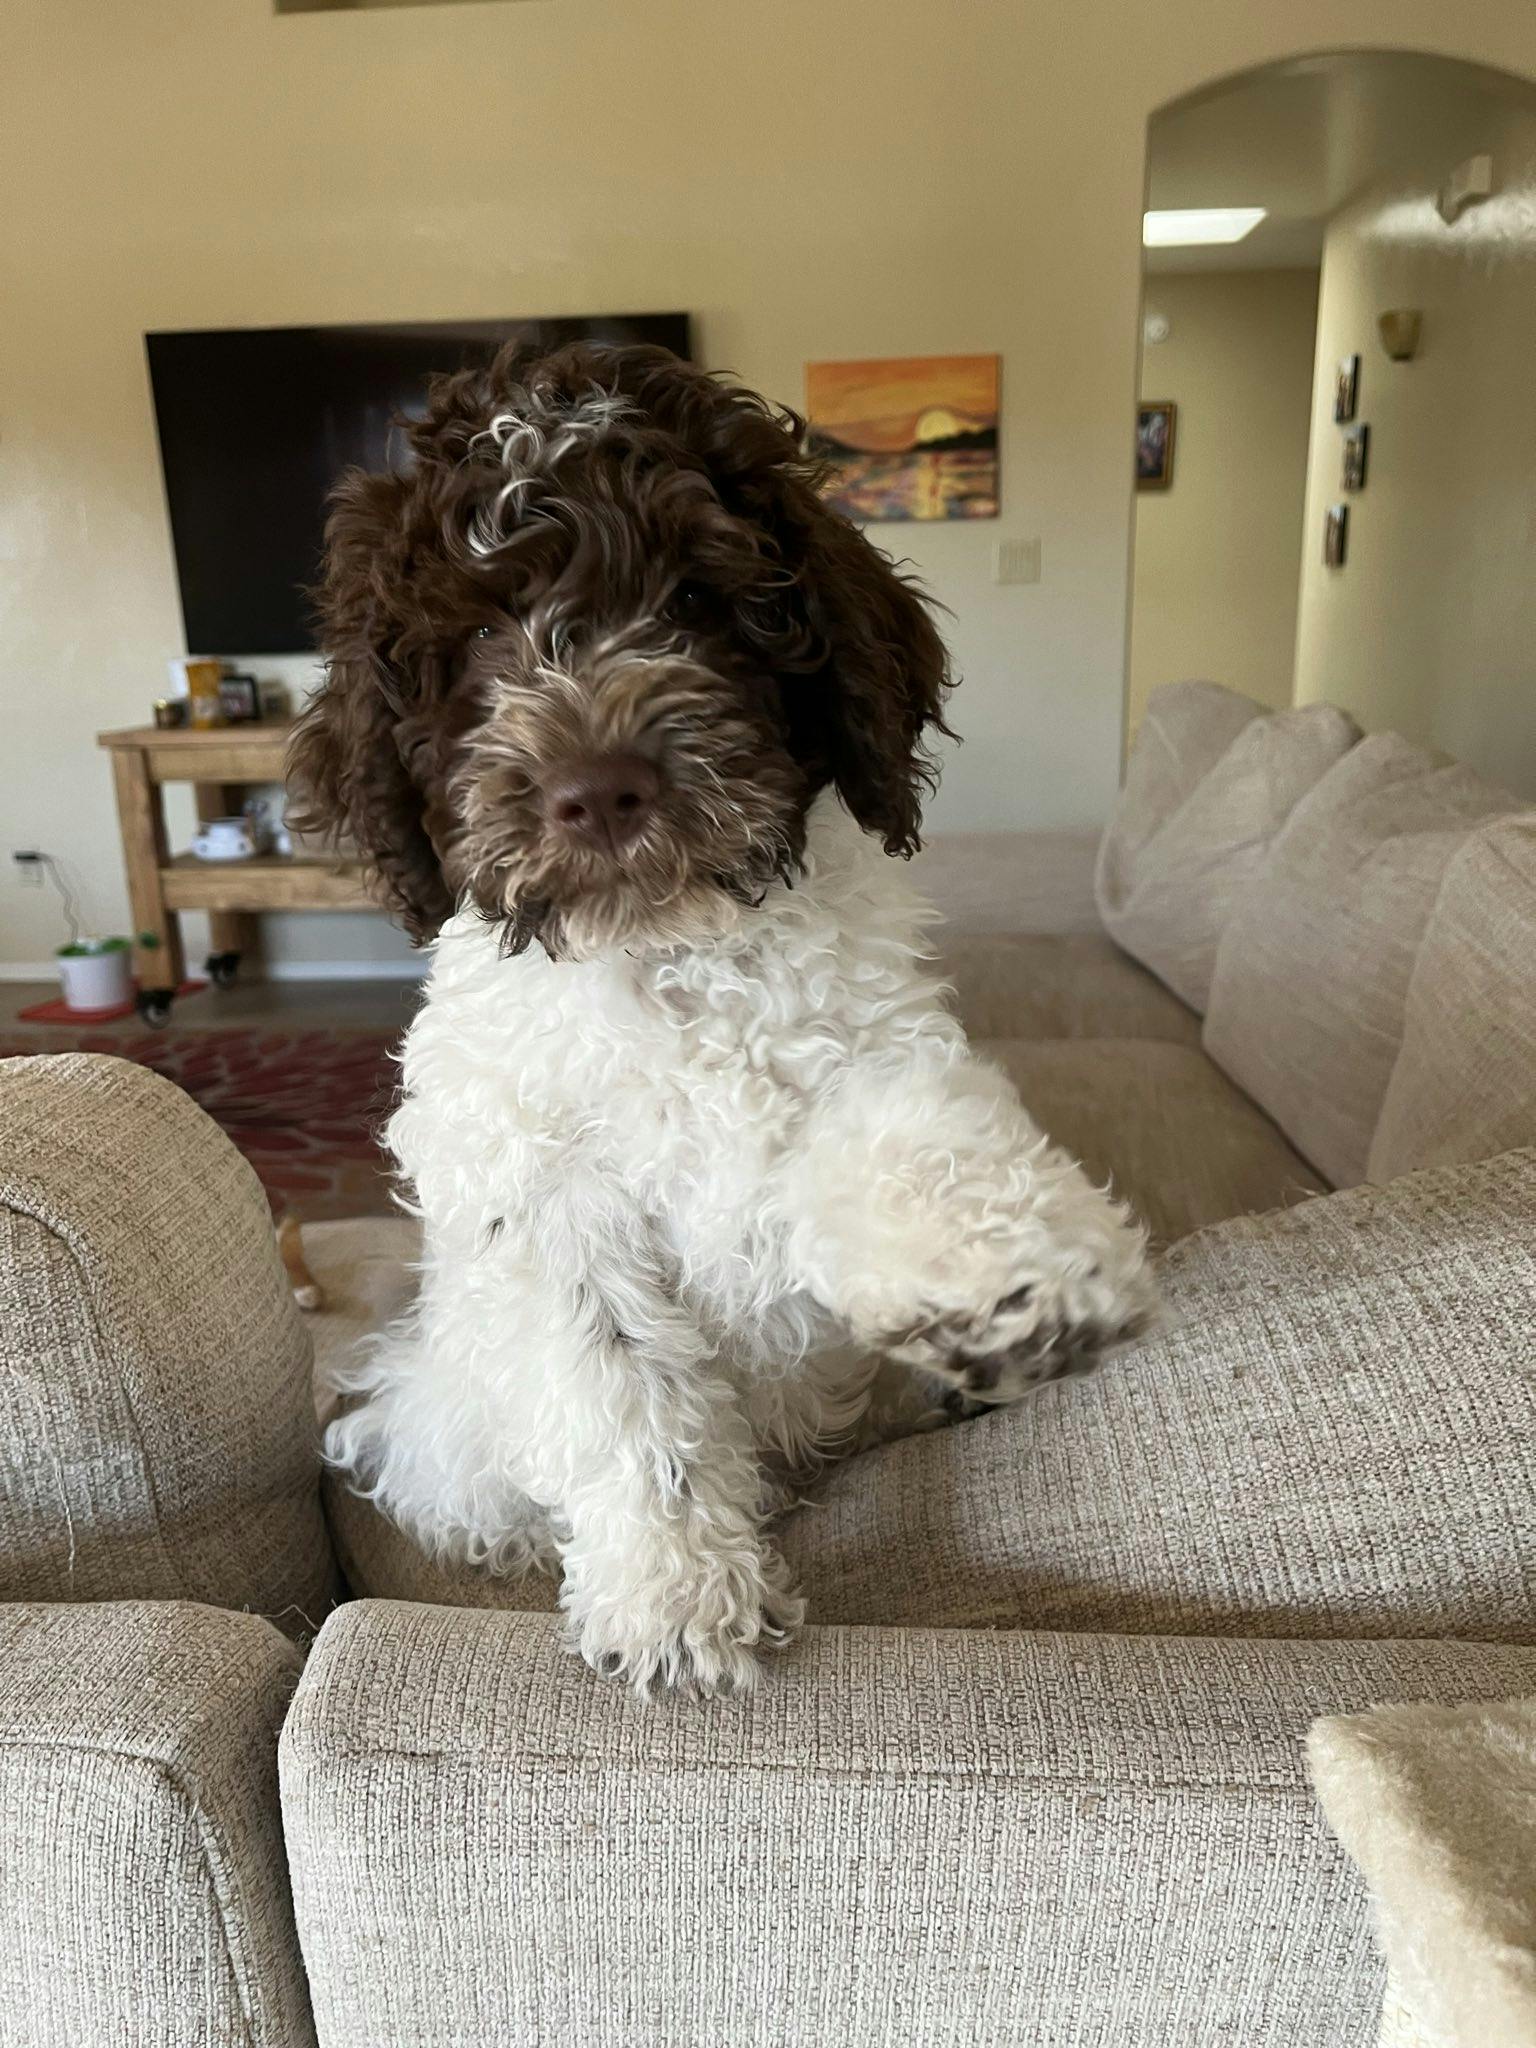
x=1059, y=985
x=143, y=1887
x=1160, y=1122
x=1437, y=1806
x=366, y=1270
x=926, y=1836
x=1208, y=785
x=1307, y=1004
x=1333, y=1435
x=1009, y=881
x=379, y=1560
x=1464, y=1085
x=155, y=1411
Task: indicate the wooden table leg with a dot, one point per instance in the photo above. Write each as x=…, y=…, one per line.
x=159, y=964
x=229, y=931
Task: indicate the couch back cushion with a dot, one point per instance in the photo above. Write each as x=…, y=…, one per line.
x=157, y=1428
x=1464, y=1083
x=1210, y=781
x=1332, y=1434
x=1311, y=983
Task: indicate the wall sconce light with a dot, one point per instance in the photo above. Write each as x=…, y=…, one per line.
x=1468, y=185
x=1400, y=333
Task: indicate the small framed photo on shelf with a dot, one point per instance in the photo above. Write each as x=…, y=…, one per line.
x=1154, y=445
x=1346, y=392
x=239, y=699
x=1336, y=536
x=1357, y=449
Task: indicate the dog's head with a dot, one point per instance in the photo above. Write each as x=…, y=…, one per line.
x=593, y=655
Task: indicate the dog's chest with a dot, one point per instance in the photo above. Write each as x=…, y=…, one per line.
x=679, y=1076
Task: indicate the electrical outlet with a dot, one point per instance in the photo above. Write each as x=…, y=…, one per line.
x=1016, y=561
x=28, y=863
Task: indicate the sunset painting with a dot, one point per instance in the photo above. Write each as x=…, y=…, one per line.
x=914, y=437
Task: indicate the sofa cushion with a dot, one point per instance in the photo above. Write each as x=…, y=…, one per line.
x=1312, y=974
x=1334, y=1434
x=1177, y=1139
x=1437, y=1805
x=1009, y=881
x=1464, y=1083
x=379, y=1561
x=156, y=1435
x=1166, y=1127
x=365, y=1268
x=1209, y=783
x=143, y=1886
x=930, y=1837
x=1069, y=985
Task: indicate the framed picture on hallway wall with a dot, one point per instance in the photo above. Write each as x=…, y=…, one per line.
x=1346, y=391
x=1154, y=445
x=1336, y=537
x=1357, y=449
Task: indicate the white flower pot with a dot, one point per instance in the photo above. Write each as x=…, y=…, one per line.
x=96, y=981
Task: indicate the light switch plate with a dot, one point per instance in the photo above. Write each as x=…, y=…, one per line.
x=1016, y=561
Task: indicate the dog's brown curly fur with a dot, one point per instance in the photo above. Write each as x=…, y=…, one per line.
x=600, y=549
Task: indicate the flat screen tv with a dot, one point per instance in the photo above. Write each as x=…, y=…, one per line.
x=256, y=424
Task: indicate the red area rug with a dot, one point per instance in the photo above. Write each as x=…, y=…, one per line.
x=57, y=1011
x=305, y=1107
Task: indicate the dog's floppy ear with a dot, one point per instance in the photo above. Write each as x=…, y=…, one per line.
x=359, y=763
x=885, y=678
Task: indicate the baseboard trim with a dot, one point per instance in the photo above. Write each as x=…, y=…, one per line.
x=343, y=970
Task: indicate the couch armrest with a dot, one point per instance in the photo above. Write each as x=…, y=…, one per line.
x=157, y=1427
x=143, y=1888
x=925, y=1836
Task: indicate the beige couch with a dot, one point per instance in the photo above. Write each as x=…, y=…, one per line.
x=1034, y=1773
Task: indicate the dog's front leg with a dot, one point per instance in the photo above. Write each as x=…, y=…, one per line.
x=667, y=1579
x=930, y=1215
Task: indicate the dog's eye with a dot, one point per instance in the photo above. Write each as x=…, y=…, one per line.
x=691, y=603
x=481, y=633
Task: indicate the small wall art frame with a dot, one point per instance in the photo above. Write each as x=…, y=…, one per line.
x=1156, y=422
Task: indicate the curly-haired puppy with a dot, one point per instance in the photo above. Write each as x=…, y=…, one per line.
x=621, y=712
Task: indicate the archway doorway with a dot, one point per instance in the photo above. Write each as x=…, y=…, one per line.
x=1330, y=506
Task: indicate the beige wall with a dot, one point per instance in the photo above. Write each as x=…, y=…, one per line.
x=875, y=176
x=1430, y=626
x=1218, y=554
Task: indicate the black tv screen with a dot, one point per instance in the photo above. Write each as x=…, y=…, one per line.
x=257, y=423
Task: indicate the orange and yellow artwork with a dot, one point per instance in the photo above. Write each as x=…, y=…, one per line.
x=909, y=437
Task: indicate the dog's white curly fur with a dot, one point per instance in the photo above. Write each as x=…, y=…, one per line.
x=678, y=1206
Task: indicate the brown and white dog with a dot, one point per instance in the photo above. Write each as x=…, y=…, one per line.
x=627, y=719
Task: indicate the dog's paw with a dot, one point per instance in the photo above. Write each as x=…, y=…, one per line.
x=1049, y=1327
x=700, y=1640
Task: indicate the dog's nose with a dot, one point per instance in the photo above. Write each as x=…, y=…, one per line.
x=602, y=798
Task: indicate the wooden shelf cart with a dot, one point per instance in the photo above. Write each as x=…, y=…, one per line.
x=218, y=764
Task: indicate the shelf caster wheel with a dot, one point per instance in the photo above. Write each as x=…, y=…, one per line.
x=154, y=1006
x=222, y=969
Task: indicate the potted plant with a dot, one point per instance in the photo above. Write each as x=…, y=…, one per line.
x=96, y=974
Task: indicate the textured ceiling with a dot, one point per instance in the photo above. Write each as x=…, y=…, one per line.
x=1302, y=139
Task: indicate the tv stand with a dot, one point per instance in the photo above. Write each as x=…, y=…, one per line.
x=217, y=763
